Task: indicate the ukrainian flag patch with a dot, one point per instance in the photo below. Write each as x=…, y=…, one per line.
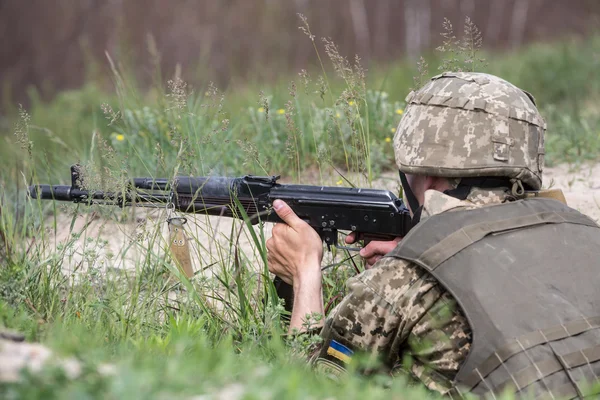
x=339, y=351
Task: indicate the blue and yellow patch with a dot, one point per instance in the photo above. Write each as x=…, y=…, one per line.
x=339, y=351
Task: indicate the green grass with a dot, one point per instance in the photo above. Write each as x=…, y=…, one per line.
x=182, y=363
x=173, y=337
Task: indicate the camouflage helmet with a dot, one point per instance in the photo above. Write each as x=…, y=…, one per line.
x=463, y=124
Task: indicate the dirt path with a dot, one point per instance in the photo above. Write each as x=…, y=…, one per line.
x=105, y=243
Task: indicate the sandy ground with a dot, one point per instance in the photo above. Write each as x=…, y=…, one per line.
x=105, y=243
x=581, y=186
x=101, y=243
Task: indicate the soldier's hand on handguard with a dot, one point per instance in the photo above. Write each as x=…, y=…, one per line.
x=375, y=249
x=295, y=250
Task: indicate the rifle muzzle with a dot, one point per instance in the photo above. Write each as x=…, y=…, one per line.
x=50, y=192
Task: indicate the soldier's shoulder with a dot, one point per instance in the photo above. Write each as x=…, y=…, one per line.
x=391, y=278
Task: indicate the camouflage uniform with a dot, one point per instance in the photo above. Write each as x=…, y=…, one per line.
x=399, y=312
x=459, y=125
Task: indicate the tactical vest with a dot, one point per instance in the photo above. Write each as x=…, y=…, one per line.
x=527, y=277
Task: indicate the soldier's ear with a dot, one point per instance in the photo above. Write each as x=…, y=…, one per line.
x=437, y=183
x=430, y=182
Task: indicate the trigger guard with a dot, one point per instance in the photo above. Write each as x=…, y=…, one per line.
x=329, y=236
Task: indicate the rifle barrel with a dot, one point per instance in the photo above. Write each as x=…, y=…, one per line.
x=68, y=193
x=151, y=183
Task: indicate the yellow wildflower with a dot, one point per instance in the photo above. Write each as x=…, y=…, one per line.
x=261, y=109
x=393, y=130
x=120, y=137
x=388, y=139
x=339, y=182
x=281, y=111
x=338, y=115
x=350, y=103
x=399, y=111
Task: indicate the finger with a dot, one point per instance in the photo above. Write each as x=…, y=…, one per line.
x=272, y=264
x=278, y=229
x=372, y=260
x=273, y=269
x=351, y=238
x=369, y=250
x=287, y=214
x=378, y=247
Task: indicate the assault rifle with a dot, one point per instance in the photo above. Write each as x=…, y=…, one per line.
x=371, y=213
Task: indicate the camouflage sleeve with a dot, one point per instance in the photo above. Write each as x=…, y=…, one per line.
x=399, y=313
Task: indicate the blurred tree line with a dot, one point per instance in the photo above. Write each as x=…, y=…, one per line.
x=57, y=44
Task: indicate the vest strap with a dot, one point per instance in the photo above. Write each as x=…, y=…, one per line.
x=567, y=391
x=524, y=343
x=542, y=369
x=461, y=239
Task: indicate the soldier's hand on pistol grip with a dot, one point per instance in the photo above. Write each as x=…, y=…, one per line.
x=295, y=249
x=374, y=250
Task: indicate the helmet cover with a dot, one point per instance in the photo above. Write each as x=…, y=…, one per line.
x=467, y=124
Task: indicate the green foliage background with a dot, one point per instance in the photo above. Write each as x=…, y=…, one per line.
x=330, y=126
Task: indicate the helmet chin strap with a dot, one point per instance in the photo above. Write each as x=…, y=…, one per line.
x=415, y=207
x=460, y=192
x=463, y=189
